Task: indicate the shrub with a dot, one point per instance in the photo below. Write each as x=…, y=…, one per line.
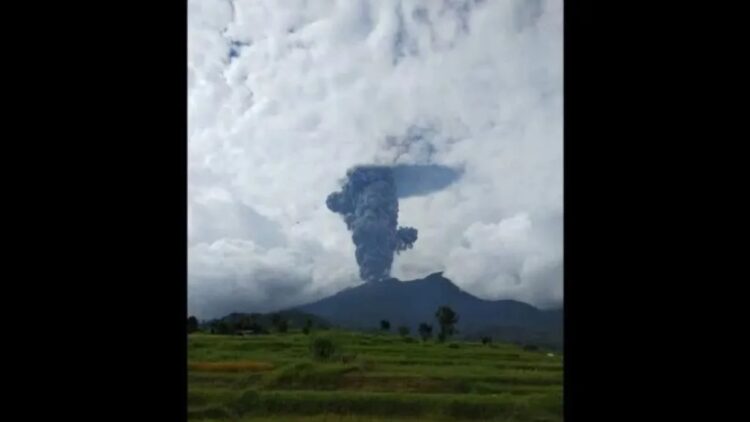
x=531, y=347
x=486, y=340
x=403, y=331
x=323, y=348
x=453, y=345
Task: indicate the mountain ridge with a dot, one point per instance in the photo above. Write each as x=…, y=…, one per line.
x=412, y=302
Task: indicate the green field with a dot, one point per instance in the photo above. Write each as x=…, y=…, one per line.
x=375, y=377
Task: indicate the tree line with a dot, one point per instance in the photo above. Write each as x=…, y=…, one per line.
x=253, y=323
x=446, y=317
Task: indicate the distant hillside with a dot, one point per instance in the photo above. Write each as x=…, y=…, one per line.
x=412, y=302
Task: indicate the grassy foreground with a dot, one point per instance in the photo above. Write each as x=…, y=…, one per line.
x=373, y=378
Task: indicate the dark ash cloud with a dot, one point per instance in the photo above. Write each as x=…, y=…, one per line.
x=368, y=202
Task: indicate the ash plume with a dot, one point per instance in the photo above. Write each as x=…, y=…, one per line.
x=368, y=202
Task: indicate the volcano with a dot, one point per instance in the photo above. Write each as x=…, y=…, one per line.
x=409, y=303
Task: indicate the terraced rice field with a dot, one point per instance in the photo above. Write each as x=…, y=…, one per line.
x=373, y=377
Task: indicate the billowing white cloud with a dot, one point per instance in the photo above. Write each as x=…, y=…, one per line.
x=284, y=97
x=513, y=258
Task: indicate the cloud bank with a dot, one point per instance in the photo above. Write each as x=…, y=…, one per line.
x=284, y=97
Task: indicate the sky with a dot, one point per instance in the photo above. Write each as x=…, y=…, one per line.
x=285, y=96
